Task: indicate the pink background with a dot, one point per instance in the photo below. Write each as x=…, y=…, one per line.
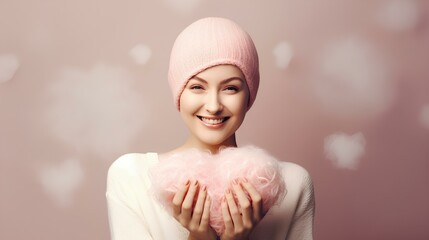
x=344, y=92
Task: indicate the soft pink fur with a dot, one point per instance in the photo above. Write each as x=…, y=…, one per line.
x=217, y=172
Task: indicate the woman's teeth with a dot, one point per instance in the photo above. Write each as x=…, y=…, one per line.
x=212, y=121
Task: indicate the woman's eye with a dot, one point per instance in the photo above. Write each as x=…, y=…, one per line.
x=196, y=87
x=231, y=89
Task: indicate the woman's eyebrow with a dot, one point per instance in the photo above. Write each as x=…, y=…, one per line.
x=199, y=79
x=223, y=81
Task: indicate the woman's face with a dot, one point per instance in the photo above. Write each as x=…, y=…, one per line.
x=213, y=105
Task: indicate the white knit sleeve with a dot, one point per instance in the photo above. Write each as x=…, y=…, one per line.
x=302, y=223
x=126, y=222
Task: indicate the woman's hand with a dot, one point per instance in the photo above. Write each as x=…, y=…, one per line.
x=240, y=221
x=194, y=218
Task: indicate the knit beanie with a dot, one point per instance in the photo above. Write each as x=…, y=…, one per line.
x=209, y=42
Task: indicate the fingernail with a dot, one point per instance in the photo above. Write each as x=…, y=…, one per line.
x=235, y=181
x=244, y=179
x=187, y=182
x=228, y=191
x=204, y=188
x=196, y=182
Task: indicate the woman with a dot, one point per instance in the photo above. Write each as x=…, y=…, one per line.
x=214, y=78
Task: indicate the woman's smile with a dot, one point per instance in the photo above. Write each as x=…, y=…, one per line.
x=213, y=122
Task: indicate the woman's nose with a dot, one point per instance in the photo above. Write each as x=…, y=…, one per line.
x=213, y=104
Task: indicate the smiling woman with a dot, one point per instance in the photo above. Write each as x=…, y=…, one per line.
x=213, y=105
x=209, y=188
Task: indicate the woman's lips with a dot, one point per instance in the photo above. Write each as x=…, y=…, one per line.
x=213, y=122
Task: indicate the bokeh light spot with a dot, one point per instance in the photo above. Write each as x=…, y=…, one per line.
x=424, y=116
x=283, y=54
x=9, y=64
x=345, y=150
x=98, y=111
x=353, y=80
x=61, y=181
x=398, y=15
x=141, y=54
x=183, y=6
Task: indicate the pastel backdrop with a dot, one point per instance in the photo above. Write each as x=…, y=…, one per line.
x=344, y=92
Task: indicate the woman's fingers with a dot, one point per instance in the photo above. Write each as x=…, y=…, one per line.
x=188, y=202
x=255, y=198
x=233, y=210
x=241, y=208
x=178, y=198
x=206, y=212
x=193, y=216
x=199, y=206
x=245, y=205
x=229, y=226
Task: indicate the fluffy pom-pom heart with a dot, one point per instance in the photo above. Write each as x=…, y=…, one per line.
x=217, y=172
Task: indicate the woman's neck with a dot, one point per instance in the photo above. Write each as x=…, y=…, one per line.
x=191, y=142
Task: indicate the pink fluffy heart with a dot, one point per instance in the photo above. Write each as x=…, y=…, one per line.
x=216, y=172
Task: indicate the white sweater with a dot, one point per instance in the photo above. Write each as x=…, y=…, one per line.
x=134, y=214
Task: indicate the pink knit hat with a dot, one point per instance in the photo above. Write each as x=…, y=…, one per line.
x=209, y=42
